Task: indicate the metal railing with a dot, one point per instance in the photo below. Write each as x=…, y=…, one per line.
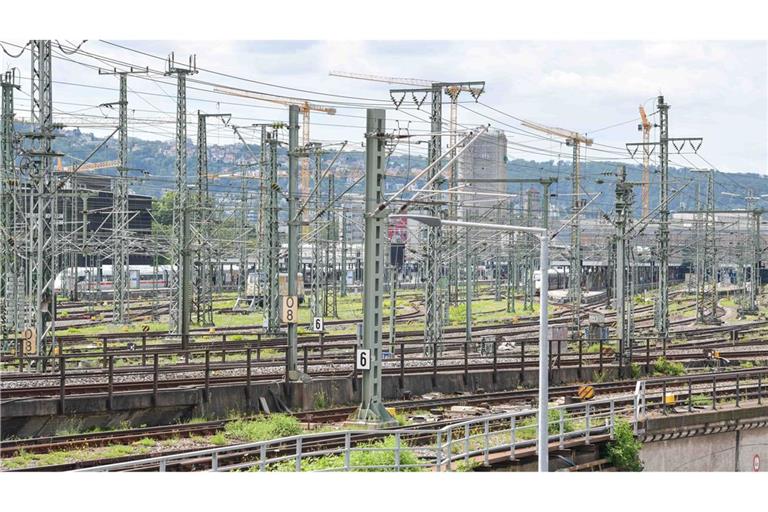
x=467, y=442
x=700, y=391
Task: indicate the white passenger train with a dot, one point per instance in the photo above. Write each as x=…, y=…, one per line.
x=558, y=279
x=140, y=277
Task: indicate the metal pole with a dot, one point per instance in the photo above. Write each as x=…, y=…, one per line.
x=433, y=298
x=294, y=224
x=120, y=269
x=575, y=263
x=662, y=318
x=272, y=284
x=469, y=287
x=177, y=302
x=392, y=307
x=42, y=241
x=186, y=280
x=343, y=288
x=10, y=210
x=371, y=407
x=543, y=419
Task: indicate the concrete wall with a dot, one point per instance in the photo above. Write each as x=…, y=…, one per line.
x=727, y=451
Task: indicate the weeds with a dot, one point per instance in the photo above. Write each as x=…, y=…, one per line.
x=662, y=366
x=263, y=428
x=218, y=439
x=377, y=456
x=320, y=400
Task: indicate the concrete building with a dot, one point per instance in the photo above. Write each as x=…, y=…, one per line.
x=485, y=159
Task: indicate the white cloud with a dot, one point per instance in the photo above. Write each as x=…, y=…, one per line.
x=716, y=89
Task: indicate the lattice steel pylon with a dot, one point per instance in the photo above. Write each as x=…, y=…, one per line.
x=203, y=229
x=662, y=307
x=661, y=318
x=120, y=216
x=435, y=296
x=757, y=251
x=333, y=236
x=433, y=299
x=710, y=251
x=180, y=305
x=10, y=268
x=272, y=239
x=318, y=268
x=575, y=140
x=624, y=200
x=41, y=244
x=343, y=263
x=574, y=278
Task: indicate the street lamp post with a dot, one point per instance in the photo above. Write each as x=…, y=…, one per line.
x=543, y=235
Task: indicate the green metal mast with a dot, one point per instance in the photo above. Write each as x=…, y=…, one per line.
x=371, y=407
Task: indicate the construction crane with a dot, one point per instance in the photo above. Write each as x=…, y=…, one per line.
x=91, y=166
x=305, y=108
x=575, y=140
x=645, y=127
x=416, y=82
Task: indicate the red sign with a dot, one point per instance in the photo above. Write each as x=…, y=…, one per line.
x=398, y=230
x=756, y=463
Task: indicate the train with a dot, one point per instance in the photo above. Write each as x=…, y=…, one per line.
x=558, y=279
x=140, y=277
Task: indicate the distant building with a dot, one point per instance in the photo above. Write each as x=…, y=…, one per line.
x=486, y=158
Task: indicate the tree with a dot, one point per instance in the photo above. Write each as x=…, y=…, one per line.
x=162, y=209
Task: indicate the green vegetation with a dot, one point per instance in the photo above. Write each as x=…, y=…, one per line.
x=466, y=466
x=634, y=371
x=701, y=400
x=594, y=348
x=458, y=313
x=662, y=366
x=218, y=439
x=624, y=450
x=320, y=400
x=25, y=459
x=263, y=428
x=147, y=442
x=401, y=419
x=380, y=453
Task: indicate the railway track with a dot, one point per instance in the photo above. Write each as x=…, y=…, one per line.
x=683, y=387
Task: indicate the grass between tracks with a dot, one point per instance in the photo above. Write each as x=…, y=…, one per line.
x=348, y=308
x=25, y=459
x=240, y=430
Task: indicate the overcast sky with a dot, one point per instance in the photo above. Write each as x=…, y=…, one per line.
x=717, y=90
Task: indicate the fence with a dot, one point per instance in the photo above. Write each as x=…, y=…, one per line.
x=425, y=448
